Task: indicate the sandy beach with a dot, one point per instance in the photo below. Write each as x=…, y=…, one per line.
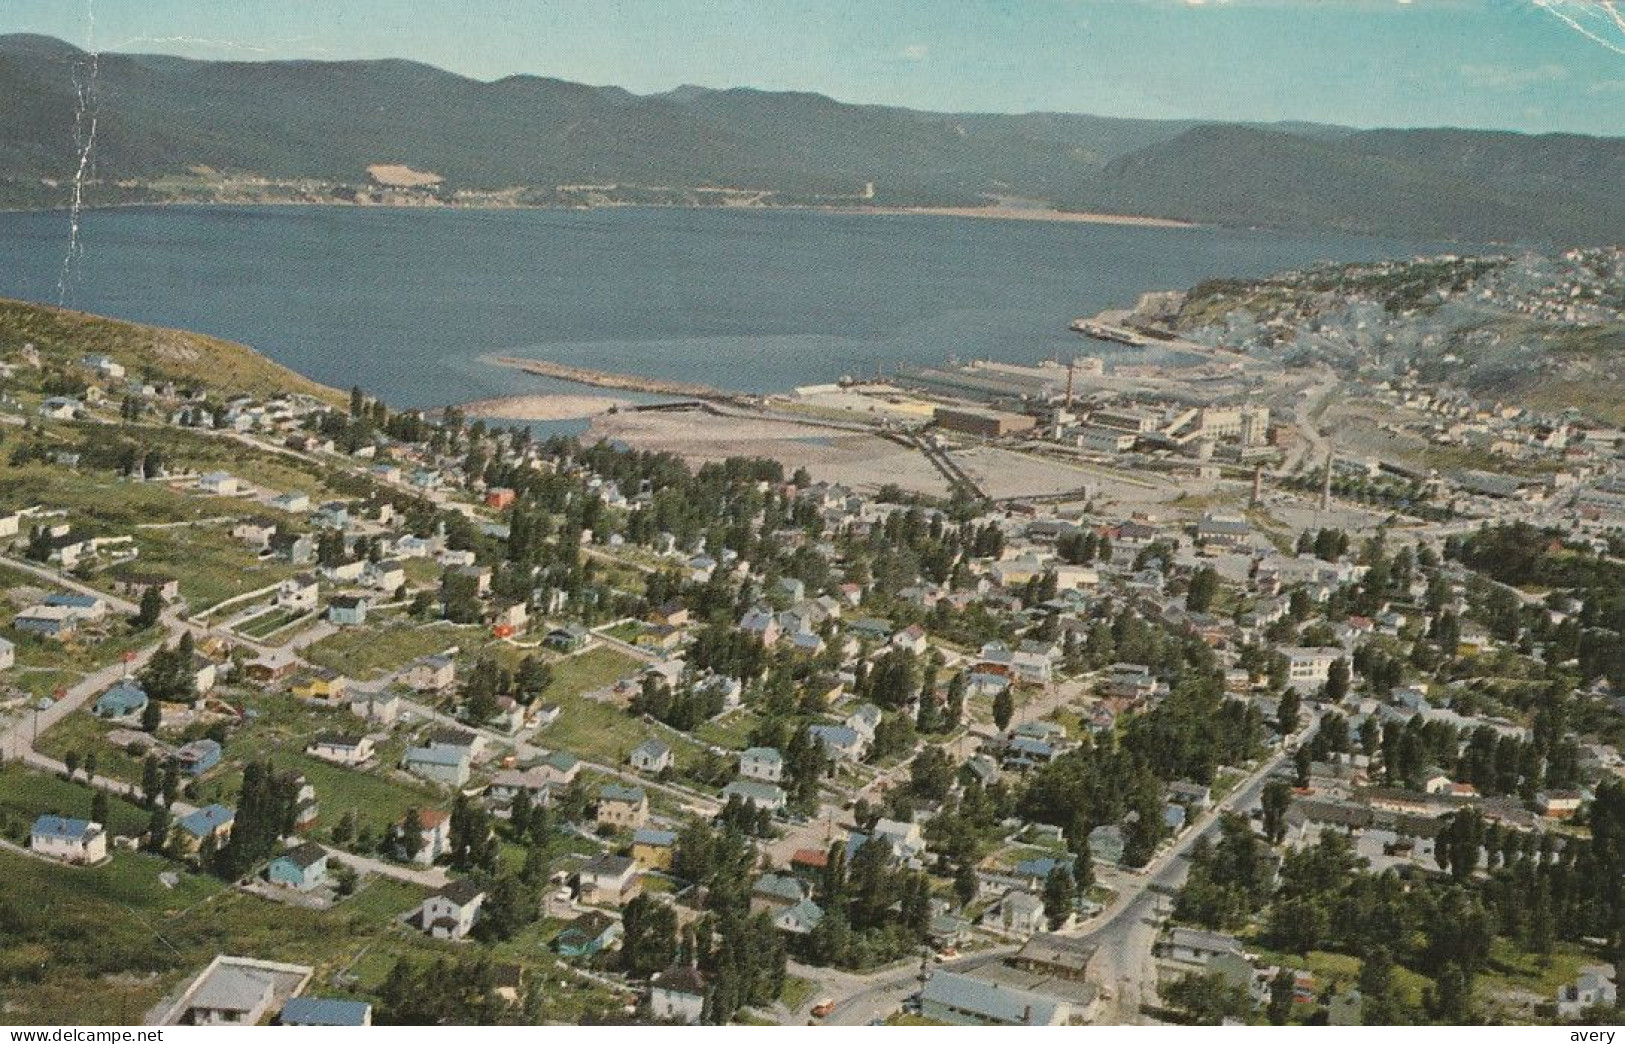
x=544, y=407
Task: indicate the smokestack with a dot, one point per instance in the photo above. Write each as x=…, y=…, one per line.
x=1258, y=485
x=1071, y=369
x=1326, y=485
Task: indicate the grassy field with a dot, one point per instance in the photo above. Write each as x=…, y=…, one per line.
x=81, y=733
x=149, y=351
x=362, y=652
x=210, y=565
x=26, y=794
x=597, y=731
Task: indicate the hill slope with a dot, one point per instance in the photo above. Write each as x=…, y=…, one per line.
x=328, y=122
x=64, y=337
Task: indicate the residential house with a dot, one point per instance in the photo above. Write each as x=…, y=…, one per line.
x=211, y=821
x=378, y=709
x=293, y=548
x=677, y=995
x=589, y=934
x=46, y=621
x=1194, y=946
x=776, y=893
x=654, y=849
x=755, y=792
x=448, y=765
x=559, y=768
x=8, y=654
x=839, y=741
x=1106, y=844
x=341, y=748
x=322, y=684
x=510, y=783
x=434, y=836
x=219, y=483
x=70, y=840
x=452, y=912
x=609, y=880
x=302, y=868
x=1594, y=988
x=347, y=610
x=272, y=665
x=231, y=995
x=1017, y=912
x=762, y=763
x=651, y=756
x=313, y=1011
x=430, y=674
x=1309, y=666
x=123, y=702
x=622, y=808
x=799, y=919
x=198, y=757
x=299, y=594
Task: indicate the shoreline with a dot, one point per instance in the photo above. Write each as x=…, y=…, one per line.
x=990, y=213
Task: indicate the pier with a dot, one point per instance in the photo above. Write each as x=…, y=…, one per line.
x=618, y=381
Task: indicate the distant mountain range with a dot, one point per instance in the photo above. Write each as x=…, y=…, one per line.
x=163, y=118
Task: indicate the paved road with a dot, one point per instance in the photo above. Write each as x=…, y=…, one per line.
x=1125, y=930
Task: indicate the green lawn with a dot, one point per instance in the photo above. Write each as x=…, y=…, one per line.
x=209, y=564
x=797, y=991
x=26, y=794
x=81, y=733
x=362, y=652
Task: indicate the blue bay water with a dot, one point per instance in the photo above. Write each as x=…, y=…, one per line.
x=406, y=302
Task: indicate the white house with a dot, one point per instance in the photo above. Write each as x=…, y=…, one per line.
x=678, y=995
x=651, y=756
x=341, y=749
x=1020, y=913
x=220, y=483
x=301, y=594
x=762, y=763
x=452, y=912
x=70, y=840
x=1309, y=666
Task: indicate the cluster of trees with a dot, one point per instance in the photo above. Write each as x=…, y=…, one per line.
x=488, y=682
x=169, y=675
x=1531, y=889
x=267, y=806
x=874, y=909
x=741, y=956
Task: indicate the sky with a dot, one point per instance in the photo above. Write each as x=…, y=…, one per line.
x=1530, y=65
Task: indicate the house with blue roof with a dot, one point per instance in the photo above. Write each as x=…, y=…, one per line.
x=70, y=840
x=198, y=757
x=123, y=702
x=302, y=868
x=839, y=741
x=86, y=607
x=211, y=821
x=323, y=1011
x=588, y=935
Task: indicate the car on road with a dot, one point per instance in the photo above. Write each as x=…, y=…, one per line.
x=823, y=1008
